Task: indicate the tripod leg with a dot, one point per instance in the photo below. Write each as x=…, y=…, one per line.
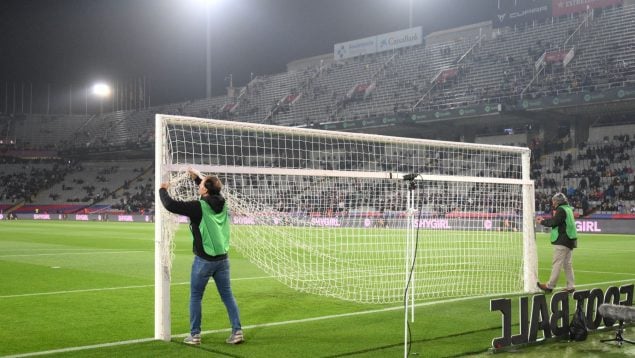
x=618, y=336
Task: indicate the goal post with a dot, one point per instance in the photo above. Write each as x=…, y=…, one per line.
x=162, y=256
x=329, y=213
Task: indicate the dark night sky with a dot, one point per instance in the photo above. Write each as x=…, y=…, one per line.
x=76, y=42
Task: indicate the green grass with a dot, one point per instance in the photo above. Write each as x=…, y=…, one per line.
x=72, y=284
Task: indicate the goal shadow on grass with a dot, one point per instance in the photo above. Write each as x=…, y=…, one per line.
x=210, y=350
x=400, y=344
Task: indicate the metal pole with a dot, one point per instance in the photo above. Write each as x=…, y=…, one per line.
x=208, y=73
x=22, y=95
x=48, y=98
x=148, y=93
x=413, y=253
x=409, y=258
x=145, y=93
x=407, y=264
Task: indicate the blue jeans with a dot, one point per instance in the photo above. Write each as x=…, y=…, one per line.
x=202, y=270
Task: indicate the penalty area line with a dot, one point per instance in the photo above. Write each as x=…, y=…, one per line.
x=76, y=253
x=596, y=272
x=81, y=348
x=117, y=288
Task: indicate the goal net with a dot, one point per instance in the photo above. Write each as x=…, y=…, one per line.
x=330, y=213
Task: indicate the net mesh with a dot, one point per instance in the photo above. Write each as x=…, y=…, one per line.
x=320, y=212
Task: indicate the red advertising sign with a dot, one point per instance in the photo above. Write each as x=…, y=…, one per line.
x=566, y=7
x=447, y=74
x=555, y=56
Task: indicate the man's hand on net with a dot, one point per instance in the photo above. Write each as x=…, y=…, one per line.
x=194, y=173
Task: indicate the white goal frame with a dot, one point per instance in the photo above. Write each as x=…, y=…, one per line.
x=164, y=165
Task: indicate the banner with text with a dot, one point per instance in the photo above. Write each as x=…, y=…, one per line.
x=566, y=7
x=379, y=43
x=400, y=39
x=605, y=226
x=577, y=99
x=515, y=12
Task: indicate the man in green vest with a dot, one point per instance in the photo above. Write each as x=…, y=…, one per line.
x=209, y=225
x=564, y=238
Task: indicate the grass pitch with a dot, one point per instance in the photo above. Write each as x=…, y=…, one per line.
x=87, y=289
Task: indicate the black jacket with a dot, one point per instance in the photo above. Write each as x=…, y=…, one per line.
x=192, y=209
x=559, y=220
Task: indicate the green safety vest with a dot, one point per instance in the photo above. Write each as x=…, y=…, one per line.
x=572, y=232
x=214, y=230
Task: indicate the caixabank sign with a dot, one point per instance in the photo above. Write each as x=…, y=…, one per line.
x=549, y=320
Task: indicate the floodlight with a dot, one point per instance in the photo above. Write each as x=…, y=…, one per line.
x=209, y=2
x=101, y=90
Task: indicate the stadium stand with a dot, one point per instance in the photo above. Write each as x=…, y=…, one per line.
x=44, y=131
x=455, y=68
x=597, y=175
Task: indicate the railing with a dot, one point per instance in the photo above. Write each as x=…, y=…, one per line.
x=542, y=68
x=540, y=65
x=424, y=96
x=584, y=22
x=478, y=42
x=340, y=105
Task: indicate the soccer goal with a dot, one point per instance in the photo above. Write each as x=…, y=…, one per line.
x=330, y=213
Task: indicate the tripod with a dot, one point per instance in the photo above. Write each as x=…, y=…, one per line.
x=618, y=336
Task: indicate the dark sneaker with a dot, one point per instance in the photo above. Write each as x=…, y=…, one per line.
x=236, y=337
x=544, y=287
x=194, y=339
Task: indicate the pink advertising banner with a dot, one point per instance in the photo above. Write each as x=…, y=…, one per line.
x=566, y=7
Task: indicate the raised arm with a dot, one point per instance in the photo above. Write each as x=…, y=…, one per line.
x=187, y=208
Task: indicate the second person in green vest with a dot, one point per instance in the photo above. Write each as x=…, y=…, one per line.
x=564, y=238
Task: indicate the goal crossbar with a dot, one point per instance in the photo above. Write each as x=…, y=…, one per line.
x=342, y=174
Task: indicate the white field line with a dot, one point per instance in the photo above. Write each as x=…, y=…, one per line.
x=605, y=249
x=73, y=349
x=271, y=324
x=53, y=249
x=94, y=252
x=116, y=288
x=600, y=272
x=75, y=251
